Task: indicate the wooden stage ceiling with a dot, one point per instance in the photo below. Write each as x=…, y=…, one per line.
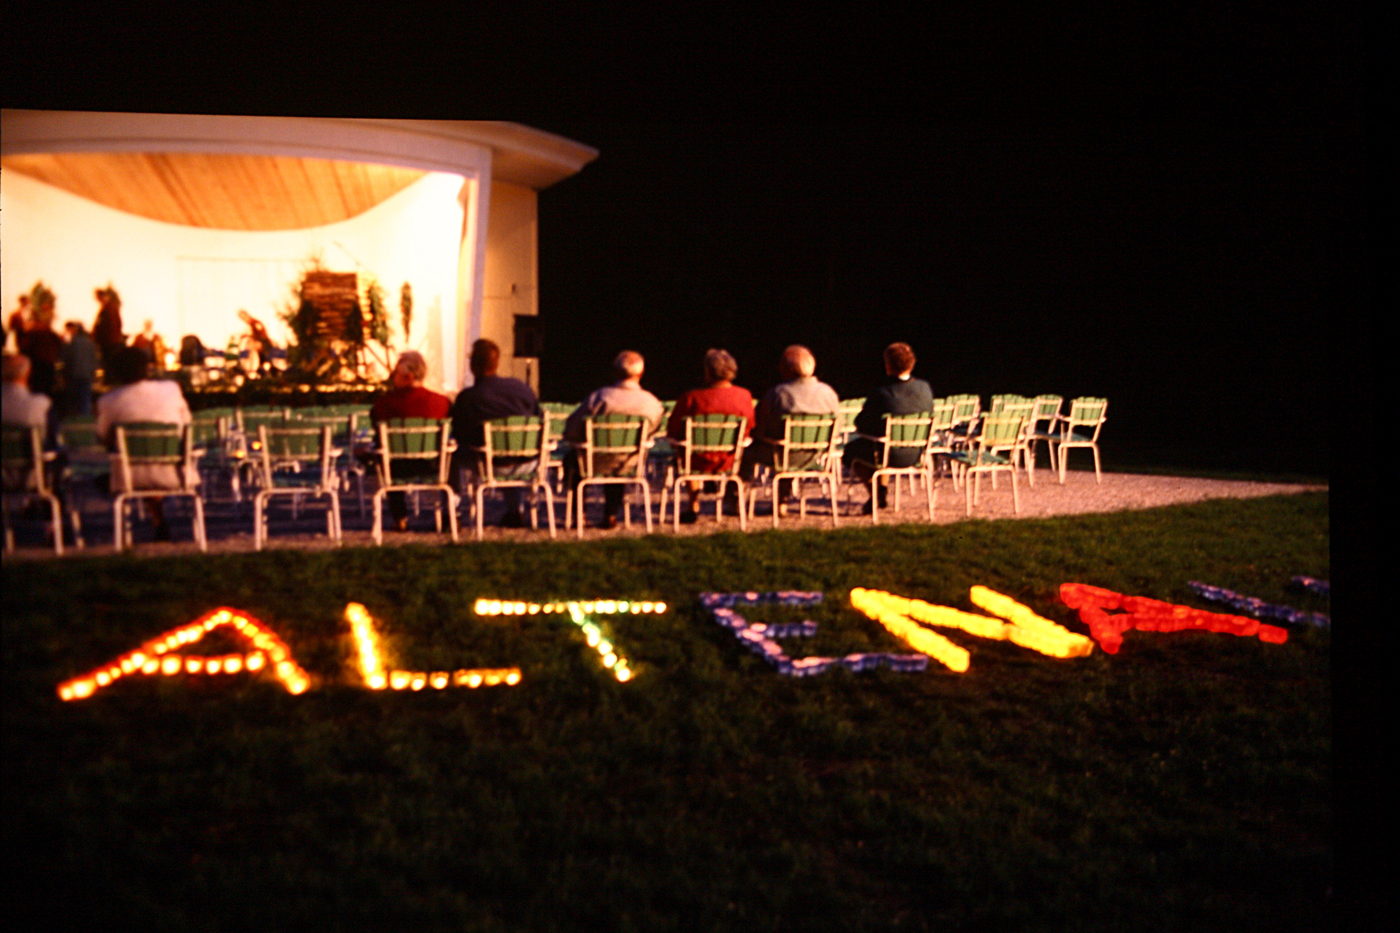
x=220, y=191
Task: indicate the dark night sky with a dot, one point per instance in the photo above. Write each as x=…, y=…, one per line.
x=1173, y=218
x=1166, y=205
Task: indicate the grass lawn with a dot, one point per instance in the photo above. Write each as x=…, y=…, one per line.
x=1183, y=784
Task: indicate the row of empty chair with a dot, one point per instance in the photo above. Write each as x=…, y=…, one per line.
x=308, y=455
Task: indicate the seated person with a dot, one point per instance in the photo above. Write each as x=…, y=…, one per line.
x=801, y=393
x=489, y=396
x=409, y=399
x=22, y=408
x=139, y=398
x=624, y=397
x=720, y=396
x=900, y=394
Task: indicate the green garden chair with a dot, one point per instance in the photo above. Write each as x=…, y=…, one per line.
x=296, y=462
x=806, y=452
x=154, y=444
x=997, y=433
x=614, y=452
x=707, y=434
x=912, y=433
x=414, y=455
x=1080, y=428
x=515, y=455
x=26, y=478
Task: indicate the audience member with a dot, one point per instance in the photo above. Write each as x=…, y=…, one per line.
x=79, y=370
x=489, y=396
x=624, y=397
x=136, y=397
x=409, y=399
x=800, y=393
x=107, y=329
x=900, y=394
x=720, y=396
x=20, y=406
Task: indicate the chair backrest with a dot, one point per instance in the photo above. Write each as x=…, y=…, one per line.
x=966, y=408
x=211, y=425
x=850, y=407
x=250, y=417
x=809, y=442
x=294, y=447
x=78, y=433
x=908, y=432
x=943, y=411
x=1047, y=410
x=415, y=439
x=998, y=403
x=515, y=447
x=154, y=443
x=23, y=458
x=712, y=434
x=1023, y=408
x=610, y=441
x=341, y=423
x=1086, y=411
x=1000, y=430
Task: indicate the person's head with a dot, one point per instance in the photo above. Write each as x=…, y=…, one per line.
x=24, y=300
x=130, y=364
x=899, y=359
x=485, y=358
x=16, y=368
x=410, y=370
x=720, y=367
x=797, y=362
x=74, y=328
x=148, y=326
x=628, y=366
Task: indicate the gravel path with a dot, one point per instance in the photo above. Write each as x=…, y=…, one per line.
x=230, y=526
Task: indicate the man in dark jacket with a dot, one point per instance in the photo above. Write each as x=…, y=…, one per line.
x=489, y=396
x=902, y=394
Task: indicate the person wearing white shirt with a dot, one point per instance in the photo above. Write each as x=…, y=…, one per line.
x=138, y=398
x=20, y=406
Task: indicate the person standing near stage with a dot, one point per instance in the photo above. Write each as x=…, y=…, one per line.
x=107, y=329
x=79, y=369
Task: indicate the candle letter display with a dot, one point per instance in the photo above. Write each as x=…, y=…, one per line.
x=376, y=678
x=760, y=637
x=1153, y=615
x=1257, y=607
x=902, y=617
x=580, y=613
x=161, y=655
